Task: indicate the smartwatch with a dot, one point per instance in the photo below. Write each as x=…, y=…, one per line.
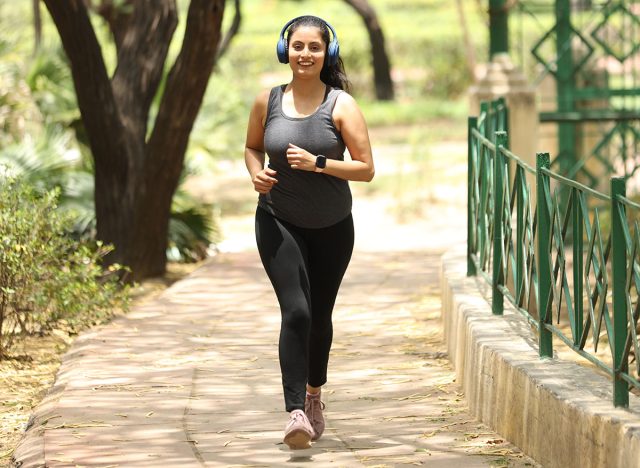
x=321, y=162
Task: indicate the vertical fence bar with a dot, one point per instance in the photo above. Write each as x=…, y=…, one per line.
x=497, y=299
x=619, y=270
x=578, y=265
x=518, y=274
x=472, y=124
x=544, y=257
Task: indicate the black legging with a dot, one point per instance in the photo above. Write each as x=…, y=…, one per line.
x=305, y=267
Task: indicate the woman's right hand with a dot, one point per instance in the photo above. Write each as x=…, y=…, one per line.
x=264, y=180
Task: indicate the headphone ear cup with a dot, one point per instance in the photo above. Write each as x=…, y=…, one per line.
x=333, y=51
x=281, y=50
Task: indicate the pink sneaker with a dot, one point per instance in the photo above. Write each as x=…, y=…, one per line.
x=298, y=433
x=313, y=407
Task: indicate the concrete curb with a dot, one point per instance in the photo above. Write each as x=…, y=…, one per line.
x=559, y=413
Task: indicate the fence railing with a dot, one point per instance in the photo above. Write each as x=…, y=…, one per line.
x=564, y=255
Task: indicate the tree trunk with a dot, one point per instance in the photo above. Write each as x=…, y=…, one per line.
x=466, y=36
x=135, y=179
x=37, y=26
x=381, y=64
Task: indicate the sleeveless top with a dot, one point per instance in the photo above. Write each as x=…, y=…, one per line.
x=303, y=198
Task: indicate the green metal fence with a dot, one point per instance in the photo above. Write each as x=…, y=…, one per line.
x=591, y=50
x=570, y=264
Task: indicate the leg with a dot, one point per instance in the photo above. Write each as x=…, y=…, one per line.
x=329, y=255
x=283, y=255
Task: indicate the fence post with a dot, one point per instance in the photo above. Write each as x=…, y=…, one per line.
x=619, y=270
x=497, y=299
x=578, y=266
x=544, y=257
x=472, y=124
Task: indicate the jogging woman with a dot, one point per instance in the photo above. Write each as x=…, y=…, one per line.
x=304, y=228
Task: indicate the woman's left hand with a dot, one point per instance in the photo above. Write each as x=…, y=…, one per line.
x=300, y=159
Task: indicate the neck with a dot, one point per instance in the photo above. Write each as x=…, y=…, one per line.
x=306, y=87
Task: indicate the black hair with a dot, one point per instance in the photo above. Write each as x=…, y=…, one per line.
x=333, y=75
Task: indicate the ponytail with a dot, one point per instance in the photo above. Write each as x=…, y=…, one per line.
x=335, y=76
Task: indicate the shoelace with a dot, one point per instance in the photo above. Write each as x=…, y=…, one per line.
x=296, y=416
x=313, y=403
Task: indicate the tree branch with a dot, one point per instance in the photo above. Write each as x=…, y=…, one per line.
x=233, y=30
x=143, y=33
x=185, y=88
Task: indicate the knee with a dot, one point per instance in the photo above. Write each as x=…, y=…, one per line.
x=297, y=317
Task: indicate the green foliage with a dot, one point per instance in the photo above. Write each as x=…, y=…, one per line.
x=51, y=85
x=385, y=113
x=193, y=225
x=46, y=278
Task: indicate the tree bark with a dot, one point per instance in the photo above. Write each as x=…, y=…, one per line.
x=136, y=177
x=184, y=90
x=381, y=64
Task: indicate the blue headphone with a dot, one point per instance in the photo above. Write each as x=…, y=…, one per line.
x=333, y=50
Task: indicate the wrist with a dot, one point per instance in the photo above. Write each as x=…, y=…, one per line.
x=321, y=163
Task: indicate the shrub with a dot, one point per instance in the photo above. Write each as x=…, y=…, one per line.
x=47, y=278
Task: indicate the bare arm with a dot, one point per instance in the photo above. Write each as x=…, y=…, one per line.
x=353, y=128
x=254, y=155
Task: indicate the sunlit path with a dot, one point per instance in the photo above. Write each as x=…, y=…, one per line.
x=192, y=378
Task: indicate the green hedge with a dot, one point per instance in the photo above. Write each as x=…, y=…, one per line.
x=48, y=279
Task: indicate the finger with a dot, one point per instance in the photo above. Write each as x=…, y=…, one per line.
x=262, y=187
x=266, y=179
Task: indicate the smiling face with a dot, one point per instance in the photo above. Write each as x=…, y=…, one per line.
x=307, y=51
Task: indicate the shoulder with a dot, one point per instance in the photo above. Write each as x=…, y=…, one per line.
x=261, y=106
x=345, y=103
x=346, y=108
x=262, y=100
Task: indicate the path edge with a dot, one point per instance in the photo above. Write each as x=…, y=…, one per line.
x=559, y=413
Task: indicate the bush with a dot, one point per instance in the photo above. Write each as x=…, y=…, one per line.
x=48, y=279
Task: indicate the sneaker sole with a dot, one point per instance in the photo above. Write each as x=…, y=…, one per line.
x=298, y=440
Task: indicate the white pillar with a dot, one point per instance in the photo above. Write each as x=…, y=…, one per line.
x=504, y=79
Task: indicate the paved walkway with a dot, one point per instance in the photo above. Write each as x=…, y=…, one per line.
x=191, y=379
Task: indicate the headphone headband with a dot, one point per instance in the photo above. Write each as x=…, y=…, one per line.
x=333, y=48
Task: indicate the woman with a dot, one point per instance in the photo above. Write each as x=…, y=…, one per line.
x=304, y=228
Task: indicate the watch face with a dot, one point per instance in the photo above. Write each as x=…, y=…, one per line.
x=321, y=161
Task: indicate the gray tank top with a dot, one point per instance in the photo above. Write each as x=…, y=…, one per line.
x=302, y=198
